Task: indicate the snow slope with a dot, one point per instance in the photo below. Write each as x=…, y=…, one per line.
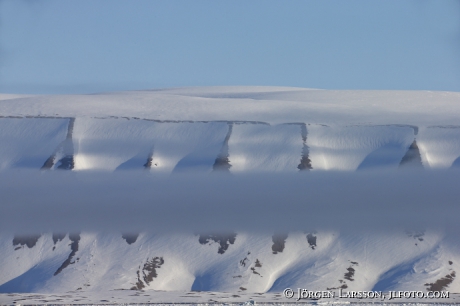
x=233, y=262
x=122, y=143
x=440, y=146
x=261, y=147
x=114, y=144
x=358, y=147
x=29, y=142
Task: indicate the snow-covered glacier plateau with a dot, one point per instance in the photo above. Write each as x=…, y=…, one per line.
x=218, y=194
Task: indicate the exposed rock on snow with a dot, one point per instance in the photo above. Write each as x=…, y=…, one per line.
x=224, y=240
x=29, y=241
x=305, y=162
x=64, y=152
x=257, y=264
x=279, y=241
x=351, y=272
x=311, y=239
x=222, y=162
x=56, y=238
x=130, y=238
x=148, y=271
x=412, y=158
x=74, y=238
x=442, y=283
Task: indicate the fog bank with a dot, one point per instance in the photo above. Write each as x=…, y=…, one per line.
x=33, y=201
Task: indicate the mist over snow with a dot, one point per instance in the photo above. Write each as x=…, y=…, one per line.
x=40, y=202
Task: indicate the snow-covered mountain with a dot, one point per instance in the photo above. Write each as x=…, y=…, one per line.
x=242, y=131
x=231, y=262
x=238, y=129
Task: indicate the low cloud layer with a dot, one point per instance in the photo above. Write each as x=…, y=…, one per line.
x=33, y=201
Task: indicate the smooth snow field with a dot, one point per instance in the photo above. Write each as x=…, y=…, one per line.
x=228, y=194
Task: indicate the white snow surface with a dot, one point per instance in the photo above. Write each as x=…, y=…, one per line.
x=273, y=105
x=259, y=147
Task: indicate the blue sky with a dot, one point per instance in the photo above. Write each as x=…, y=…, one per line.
x=85, y=46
